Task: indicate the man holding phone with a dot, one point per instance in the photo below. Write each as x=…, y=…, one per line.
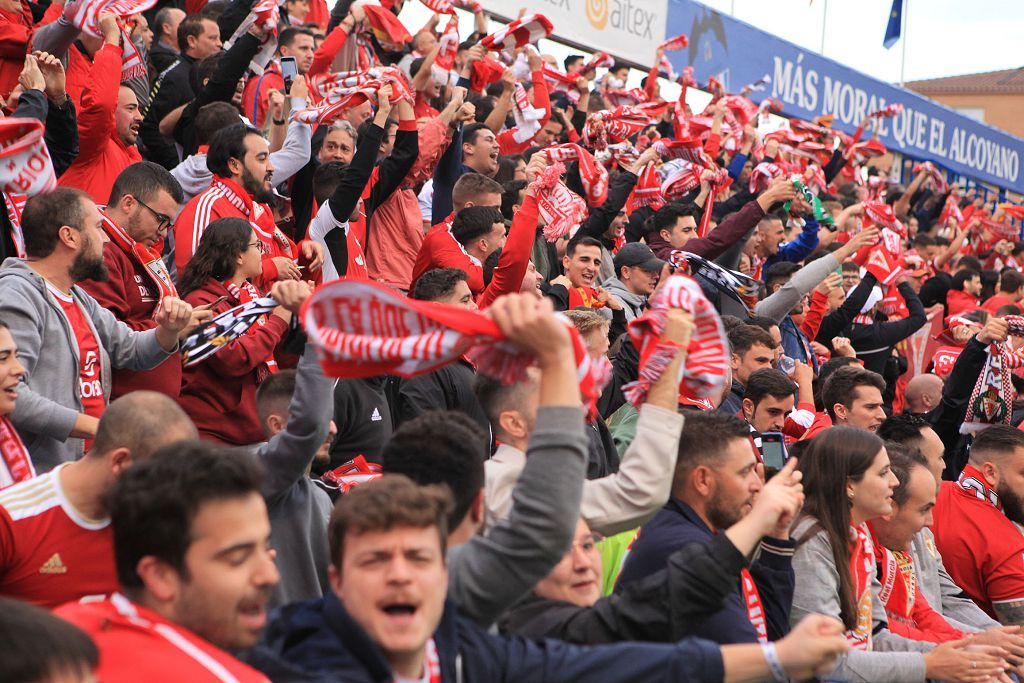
x=295, y=45
x=768, y=401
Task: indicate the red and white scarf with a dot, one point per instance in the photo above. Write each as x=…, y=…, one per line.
x=84, y=15
x=363, y=329
x=618, y=125
x=527, y=116
x=593, y=175
x=600, y=60
x=14, y=205
x=260, y=216
x=675, y=43
x=862, y=569
x=150, y=260
x=679, y=177
x=448, y=46
x=561, y=208
x=992, y=398
x=265, y=14
x=752, y=601
x=888, y=111
x=707, y=358
x=973, y=481
x=25, y=165
x=17, y=465
x=246, y=294
x=519, y=33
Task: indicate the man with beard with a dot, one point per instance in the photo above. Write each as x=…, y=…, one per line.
x=65, y=392
x=976, y=522
x=242, y=187
x=193, y=557
x=143, y=202
x=714, y=486
x=108, y=120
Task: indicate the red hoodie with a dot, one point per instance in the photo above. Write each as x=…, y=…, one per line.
x=219, y=394
x=102, y=154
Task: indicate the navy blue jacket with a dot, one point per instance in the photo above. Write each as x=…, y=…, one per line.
x=677, y=525
x=320, y=637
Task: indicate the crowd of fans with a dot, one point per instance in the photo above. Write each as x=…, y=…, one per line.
x=336, y=352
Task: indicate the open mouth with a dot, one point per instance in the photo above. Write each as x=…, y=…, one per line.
x=254, y=616
x=400, y=612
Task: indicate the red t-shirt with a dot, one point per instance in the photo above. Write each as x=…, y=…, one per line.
x=49, y=553
x=944, y=359
x=137, y=644
x=983, y=551
x=90, y=383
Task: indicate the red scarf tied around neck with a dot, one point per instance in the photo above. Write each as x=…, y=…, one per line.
x=364, y=329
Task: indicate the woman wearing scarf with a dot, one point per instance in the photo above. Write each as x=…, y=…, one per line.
x=15, y=465
x=219, y=393
x=848, y=481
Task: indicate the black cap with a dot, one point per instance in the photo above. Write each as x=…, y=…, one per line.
x=635, y=254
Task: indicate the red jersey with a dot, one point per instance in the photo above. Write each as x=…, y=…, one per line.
x=944, y=359
x=820, y=423
x=982, y=549
x=50, y=554
x=137, y=644
x=440, y=249
x=90, y=384
x=997, y=301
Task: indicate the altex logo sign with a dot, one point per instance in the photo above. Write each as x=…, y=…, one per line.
x=622, y=15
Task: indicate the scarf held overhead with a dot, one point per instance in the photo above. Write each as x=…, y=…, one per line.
x=362, y=329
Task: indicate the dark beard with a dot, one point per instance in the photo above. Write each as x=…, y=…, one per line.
x=1013, y=506
x=84, y=268
x=720, y=517
x=255, y=188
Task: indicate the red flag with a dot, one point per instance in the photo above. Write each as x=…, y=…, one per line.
x=677, y=43
x=387, y=29
x=519, y=33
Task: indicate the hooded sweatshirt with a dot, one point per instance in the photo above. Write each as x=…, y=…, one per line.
x=49, y=399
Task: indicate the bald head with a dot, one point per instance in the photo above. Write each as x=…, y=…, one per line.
x=923, y=393
x=141, y=422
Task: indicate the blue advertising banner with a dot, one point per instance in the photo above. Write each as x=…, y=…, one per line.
x=810, y=85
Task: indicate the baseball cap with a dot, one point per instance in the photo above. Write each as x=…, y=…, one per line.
x=639, y=255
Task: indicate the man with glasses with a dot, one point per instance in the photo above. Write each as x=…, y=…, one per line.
x=143, y=202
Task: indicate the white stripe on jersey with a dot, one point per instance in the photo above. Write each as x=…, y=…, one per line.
x=30, y=498
x=204, y=207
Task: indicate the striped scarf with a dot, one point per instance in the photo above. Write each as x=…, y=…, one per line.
x=992, y=399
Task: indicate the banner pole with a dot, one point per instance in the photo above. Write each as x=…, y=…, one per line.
x=903, y=49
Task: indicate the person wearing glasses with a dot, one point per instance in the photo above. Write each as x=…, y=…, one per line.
x=141, y=209
x=219, y=392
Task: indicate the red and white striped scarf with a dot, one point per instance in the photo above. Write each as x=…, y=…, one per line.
x=991, y=400
x=84, y=15
x=519, y=33
x=15, y=204
x=679, y=177
x=560, y=207
x=363, y=329
x=265, y=14
x=707, y=358
x=16, y=465
x=150, y=260
x=618, y=125
x=675, y=43
x=527, y=116
x=25, y=165
x=448, y=45
x=593, y=175
x=600, y=60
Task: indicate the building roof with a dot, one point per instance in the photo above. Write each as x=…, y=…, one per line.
x=1004, y=82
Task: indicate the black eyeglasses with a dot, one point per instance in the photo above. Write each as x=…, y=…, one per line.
x=164, y=221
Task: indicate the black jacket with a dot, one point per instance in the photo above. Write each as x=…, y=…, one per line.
x=220, y=88
x=362, y=413
x=320, y=636
x=874, y=343
x=664, y=607
x=171, y=89
x=447, y=388
x=947, y=417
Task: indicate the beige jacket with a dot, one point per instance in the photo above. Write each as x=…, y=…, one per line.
x=612, y=504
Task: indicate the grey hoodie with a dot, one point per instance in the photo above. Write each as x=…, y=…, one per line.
x=892, y=658
x=194, y=176
x=632, y=304
x=49, y=398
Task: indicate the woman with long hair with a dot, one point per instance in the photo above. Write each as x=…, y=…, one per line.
x=219, y=393
x=848, y=482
